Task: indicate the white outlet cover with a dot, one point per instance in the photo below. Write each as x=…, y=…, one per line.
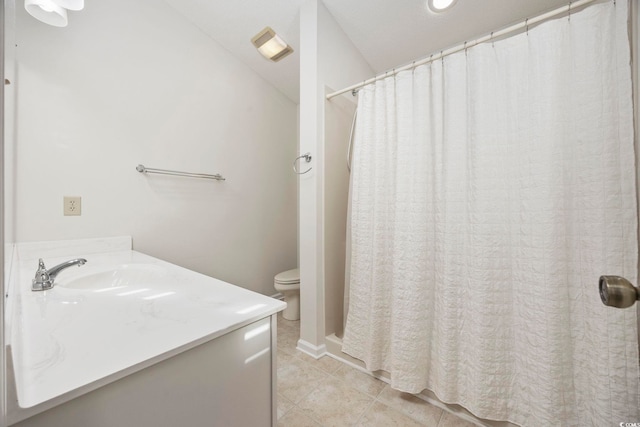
x=72, y=206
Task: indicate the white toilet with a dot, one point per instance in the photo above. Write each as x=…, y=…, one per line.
x=288, y=284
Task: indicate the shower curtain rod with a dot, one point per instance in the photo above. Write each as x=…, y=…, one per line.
x=466, y=45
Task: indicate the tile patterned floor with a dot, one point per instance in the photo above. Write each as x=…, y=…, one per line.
x=326, y=392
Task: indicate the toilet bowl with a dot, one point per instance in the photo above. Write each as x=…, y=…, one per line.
x=288, y=284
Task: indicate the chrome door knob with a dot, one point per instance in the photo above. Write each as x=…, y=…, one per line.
x=616, y=291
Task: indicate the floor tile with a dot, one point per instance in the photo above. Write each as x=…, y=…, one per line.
x=325, y=393
x=325, y=363
x=288, y=325
x=334, y=403
x=297, y=379
x=296, y=418
x=381, y=415
x=288, y=329
x=359, y=380
x=284, y=405
x=450, y=420
x=285, y=358
x=288, y=341
x=412, y=406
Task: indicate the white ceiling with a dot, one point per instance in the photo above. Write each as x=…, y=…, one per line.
x=388, y=33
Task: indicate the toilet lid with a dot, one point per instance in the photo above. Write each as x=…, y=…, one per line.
x=289, y=276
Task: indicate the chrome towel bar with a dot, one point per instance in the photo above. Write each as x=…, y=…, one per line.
x=143, y=169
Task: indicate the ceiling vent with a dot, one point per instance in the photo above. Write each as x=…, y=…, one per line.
x=270, y=45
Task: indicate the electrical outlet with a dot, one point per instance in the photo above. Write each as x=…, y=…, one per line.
x=72, y=205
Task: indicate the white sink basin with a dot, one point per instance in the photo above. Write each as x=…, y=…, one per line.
x=119, y=277
x=69, y=340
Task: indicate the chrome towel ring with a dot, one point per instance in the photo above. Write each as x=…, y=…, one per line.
x=307, y=158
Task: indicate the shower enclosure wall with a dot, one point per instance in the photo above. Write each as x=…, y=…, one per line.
x=338, y=120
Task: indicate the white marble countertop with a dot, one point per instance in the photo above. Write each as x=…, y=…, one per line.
x=79, y=336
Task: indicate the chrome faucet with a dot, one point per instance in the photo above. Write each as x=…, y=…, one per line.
x=44, y=278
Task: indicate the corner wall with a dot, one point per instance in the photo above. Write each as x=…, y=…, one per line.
x=3, y=269
x=135, y=82
x=634, y=10
x=328, y=59
x=7, y=117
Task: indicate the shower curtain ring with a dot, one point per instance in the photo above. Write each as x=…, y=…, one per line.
x=526, y=24
x=465, y=48
x=570, y=11
x=493, y=42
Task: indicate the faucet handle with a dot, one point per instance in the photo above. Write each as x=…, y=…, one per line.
x=42, y=280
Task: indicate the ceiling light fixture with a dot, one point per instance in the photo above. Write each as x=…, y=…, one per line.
x=270, y=45
x=440, y=5
x=52, y=12
x=70, y=4
x=47, y=11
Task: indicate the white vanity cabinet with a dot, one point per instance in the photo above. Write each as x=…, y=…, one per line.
x=228, y=381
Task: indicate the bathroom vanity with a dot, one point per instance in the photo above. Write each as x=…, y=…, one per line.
x=130, y=340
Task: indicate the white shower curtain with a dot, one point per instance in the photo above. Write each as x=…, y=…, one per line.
x=490, y=190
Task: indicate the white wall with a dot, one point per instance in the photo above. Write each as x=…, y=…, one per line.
x=635, y=46
x=338, y=114
x=9, y=121
x=7, y=98
x=131, y=82
x=328, y=58
x=311, y=292
x=336, y=48
x=3, y=270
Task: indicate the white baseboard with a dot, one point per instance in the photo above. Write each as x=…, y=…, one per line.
x=314, y=351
